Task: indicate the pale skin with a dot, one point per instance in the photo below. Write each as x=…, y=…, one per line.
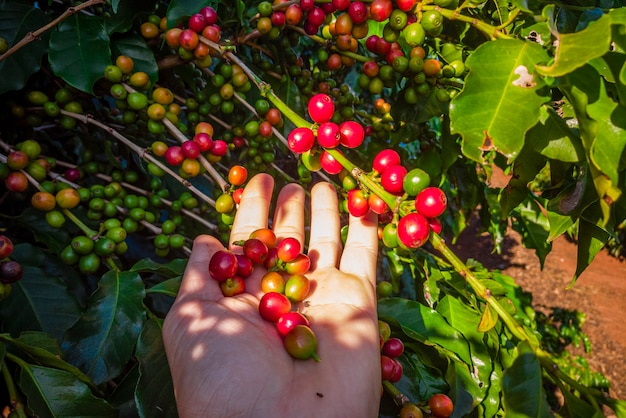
x=226, y=361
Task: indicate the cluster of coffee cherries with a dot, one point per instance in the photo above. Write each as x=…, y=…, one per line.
x=284, y=284
x=25, y=159
x=390, y=348
x=326, y=134
x=187, y=41
x=10, y=270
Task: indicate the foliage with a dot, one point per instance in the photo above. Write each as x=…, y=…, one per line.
x=530, y=132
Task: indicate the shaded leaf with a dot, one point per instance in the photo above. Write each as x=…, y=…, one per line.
x=79, y=51
x=154, y=395
x=40, y=301
x=174, y=268
x=16, y=21
x=578, y=408
x=532, y=224
x=168, y=287
x=102, y=341
x=178, y=9
x=57, y=393
x=575, y=49
x=522, y=387
x=459, y=379
x=124, y=14
x=501, y=98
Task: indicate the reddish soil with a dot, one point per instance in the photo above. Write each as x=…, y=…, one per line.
x=600, y=292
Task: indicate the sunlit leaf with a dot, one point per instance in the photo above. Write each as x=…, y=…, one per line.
x=522, y=387
x=534, y=228
x=501, y=98
x=591, y=239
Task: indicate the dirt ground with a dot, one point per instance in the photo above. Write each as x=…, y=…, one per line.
x=600, y=292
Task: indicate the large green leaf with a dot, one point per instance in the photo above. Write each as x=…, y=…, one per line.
x=44, y=350
x=174, y=268
x=167, y=287
x=16, y=21
x=501, y=98
x=40, y=301
x=425, y=325
x=461, y=382
x=155, y=392
x=522, y=387
x=575, y=49
x=591, y=239
x=124, y=12
x=79, y=51
x=552, y=138
x=102, y=341
x=56, y=393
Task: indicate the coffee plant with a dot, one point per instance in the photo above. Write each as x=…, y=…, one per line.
x=127, y=128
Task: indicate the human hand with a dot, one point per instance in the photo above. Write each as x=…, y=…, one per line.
x=226, y=361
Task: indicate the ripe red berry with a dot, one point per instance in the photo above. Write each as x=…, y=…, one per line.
x=278, y=18
x=385, y=159
x=244, y=266
x=371, y=42
x=219, y=148
x=273, y=305
x=307, y=5
x=288, y=249
x=289, y=320
x=380, y=10
x=405, y=5
x=301, y=140
x=255, y=250
x=203, y=140
x=391, y=369
x=191, y=149
x=352, y=134
x=197, y=22
x=298, y=265
x=435, y=225
x=377, y=205
x=10, y=271
x=358, y=12
x=321, y=108
x=413, y=230
x=316, y=16
x=6, y=247
x=72, y=174
x=392, y=179
x=174, y=155
x=431, y=202
x=329, y=163
x=357, y=203
x=393, y=347
x=210, y=15
x=223, y=265
x=328, y=135
x=441, y=405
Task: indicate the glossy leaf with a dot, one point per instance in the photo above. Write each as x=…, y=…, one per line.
x=45, y=350
x=591, y=239
x=424, y=324
x=102, y=341
x=124, y=14
x=522, y=387
x=575, y=49
x=79, y=51
x=40, y=301
x=461, y=383
x=155, y=391
x=501, y=98
x=552, y=138
x=179, y=9
x=57, y=393
x=488, y=319
x=168, y=287
x=174, y=268
x=532, y=224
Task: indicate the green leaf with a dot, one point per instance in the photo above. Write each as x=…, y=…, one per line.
x=168, y=287
x=460, y=381
x=174, y=268
x=578, y=408
x=56, y=393
x=501, y=98
x=16, y=21
x=558, y=224
x=136, y=47
x=532, y=224
x=55, y=239
x=102, y=341
x=591, y=239
x=44, y=350
x=552, y=138
x=124, y=14
x=424, y=325
x=155, y=391
x=40, y=301
x=522, y=387
x=488, y=319
x=575, y=49
x=79, y=51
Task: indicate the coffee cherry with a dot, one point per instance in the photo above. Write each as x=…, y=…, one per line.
x=223, y=265
x=393, y=347
x=431, y=202
x=413, y=230
x=392, y=179
x=255, y=250
x=43, y=201
x=288, y=249
x=273, y=305
x=352, y=134
x=10, y=271
x=328, y=135
x=233, y=286
x=297, y=287
x=289, y=321
x=357, y=204
x=411, y=410
x=299, y=265
x=16, y=181
x=272, y=281
x=301, y=140
x=385, y=159
x=441, y=405
x=266, y=235
x=329, y=163
x=6, y=247
x=301, y=343
x=415, y=181
x=358, y=12
x=321, y=108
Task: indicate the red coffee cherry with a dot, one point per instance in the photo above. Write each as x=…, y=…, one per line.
x=288, y=249
x=330, y=164
x=413, y=230
x=289, y=320
x=223, y=265
x=6, y=247
x=255, y=250
x=273, y=305
x=385, y=159
x=431, y=202
x=233, y=286
x=393, y=347
x=321, y=107
x=357, y=203
x=328, y=135
x=352, y=134
x=392, y=179
x=301, y=140
x=441, y=405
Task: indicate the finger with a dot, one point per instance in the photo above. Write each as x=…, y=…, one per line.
x=325, y=241
x=361, y=250
x=196, y=281
x=289, y=214
x=253, y=210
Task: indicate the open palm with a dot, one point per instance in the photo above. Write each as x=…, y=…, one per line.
x=227, y=361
